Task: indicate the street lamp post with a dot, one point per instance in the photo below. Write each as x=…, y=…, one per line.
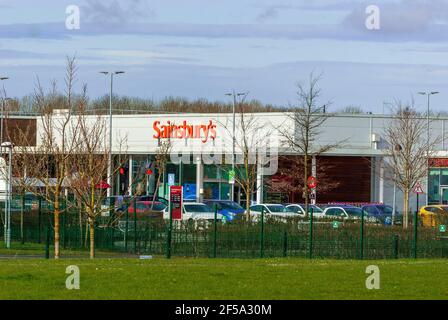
x=428, y=94
x=234, y=95
x=8, y=199
x=109, y=167
x=3, y=107
x=4, y=100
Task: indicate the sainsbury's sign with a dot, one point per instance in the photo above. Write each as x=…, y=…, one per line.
x=184, y=130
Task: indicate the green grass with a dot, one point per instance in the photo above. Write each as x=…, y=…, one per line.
x=38, y=249
x=182, y=278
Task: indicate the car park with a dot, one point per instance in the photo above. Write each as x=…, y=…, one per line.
x=343, y=212
x=270, y=210
x=147, y=209
x=229, y=209
x=195, y=211
x=382, y=214
x=300, y=209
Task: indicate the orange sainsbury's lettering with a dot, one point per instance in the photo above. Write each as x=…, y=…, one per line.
x=185, y=130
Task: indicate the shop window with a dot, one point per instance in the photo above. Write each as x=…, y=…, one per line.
x=225, y=191
x=189, y=173
x=211, y=172
x=444, y=177
x=211, y=190
x=434, y=186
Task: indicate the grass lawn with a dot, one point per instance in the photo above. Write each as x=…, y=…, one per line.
x=38, y=250
x=184, y=278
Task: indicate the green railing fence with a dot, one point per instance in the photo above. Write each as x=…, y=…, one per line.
x=32, y=222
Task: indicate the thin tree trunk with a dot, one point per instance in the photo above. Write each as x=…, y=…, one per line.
x=56, y=231
x=406, y=208
x=248, y=195
x=80, y=224
x=92, y=239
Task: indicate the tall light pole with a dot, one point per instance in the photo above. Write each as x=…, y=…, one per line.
x=3, y=107
x=428, y=94
x=4, y=100
x=234, y=95
x=8, y=199
x=109, y=168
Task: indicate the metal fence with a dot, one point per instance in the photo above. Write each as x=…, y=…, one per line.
x=267, y=237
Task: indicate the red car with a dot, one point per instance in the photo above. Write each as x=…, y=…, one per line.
x=147, y=209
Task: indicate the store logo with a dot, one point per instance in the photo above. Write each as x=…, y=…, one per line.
x=184, y=131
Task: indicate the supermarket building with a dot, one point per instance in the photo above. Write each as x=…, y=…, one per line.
x=202, y=143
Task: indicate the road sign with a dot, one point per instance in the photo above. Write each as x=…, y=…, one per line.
x=335, y=224
x=171, y=179
x=442, y=228
x=232, y=176
x=311, y=182
x=176, y=198
x=418, y=188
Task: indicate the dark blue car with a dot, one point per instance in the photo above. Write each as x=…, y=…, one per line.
x=229, y=209
x=381, y=213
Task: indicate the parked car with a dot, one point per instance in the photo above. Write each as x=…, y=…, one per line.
x=229, y=209
x=151, y=198
x=299, y=209
x=121, y=203
x=148, y=209
x=381, y=213
x=432, y=215
x=195, y=211
x=343, y=212
x=270, y=210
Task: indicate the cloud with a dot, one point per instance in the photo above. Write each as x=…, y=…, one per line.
x=268, y=14
x=410, y=20
x=17, y=54
x=417, y=17
x=116, y=12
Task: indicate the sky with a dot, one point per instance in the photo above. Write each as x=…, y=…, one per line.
x=206, y=48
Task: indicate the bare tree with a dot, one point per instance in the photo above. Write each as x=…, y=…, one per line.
x=408, y=150
x=252, y=136
x=289, y=178
x=161, y=159
x=308, y=116
x=87, y=173
x=46, y=165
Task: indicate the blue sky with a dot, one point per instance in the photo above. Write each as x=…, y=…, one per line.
x=204, y=48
